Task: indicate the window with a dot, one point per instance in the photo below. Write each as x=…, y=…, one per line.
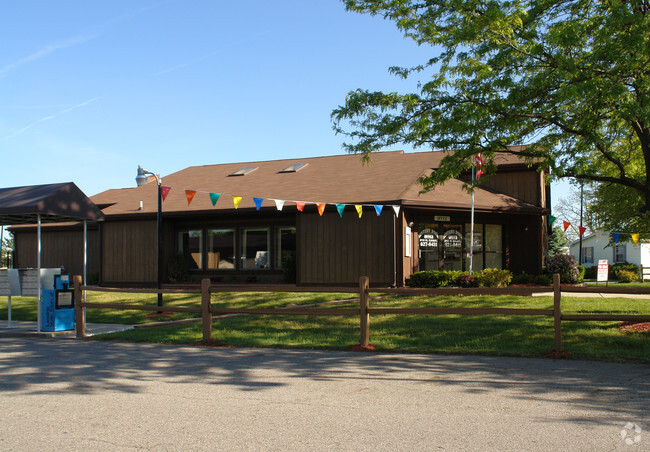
x=493, y=246
x=255, y=248
x=221, y=249
x=243, y=171
x=588, y=255
x=477, y=259
x=285, y=245
x=294, y=167
x=190, y=244
x=620, y=253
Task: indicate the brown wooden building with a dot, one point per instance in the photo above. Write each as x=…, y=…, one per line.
x=413, y=232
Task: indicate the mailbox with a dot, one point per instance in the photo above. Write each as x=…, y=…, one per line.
x=57, y=306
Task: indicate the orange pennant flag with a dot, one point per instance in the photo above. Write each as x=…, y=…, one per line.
x=359, y=208
x=300, y=205
x=566, y=225
x=321, y=208
x=236, y=200
x=635, y=238
x=190, y=196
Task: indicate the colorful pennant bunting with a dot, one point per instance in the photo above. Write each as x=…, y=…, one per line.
x=279, y=203
x=551, y=220
x=300, y=205
x=566, y=225
x=378, y=209
x=236, y=200
x=258, y=202
x=340, y=208
x=635, y=238
x=582, y=230
x=214, y=197
x=396, y=209
x=616, y=236
x=164, y=191
x=321, y=208
x=189, y=194
x=359, y=208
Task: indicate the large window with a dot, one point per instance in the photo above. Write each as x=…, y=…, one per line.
x=255, y=248
x=221, y=249
x=620, y=253
x=588, y=255
x=477, y=259
x=285, y=242
x=493, y=246
x=190, y=244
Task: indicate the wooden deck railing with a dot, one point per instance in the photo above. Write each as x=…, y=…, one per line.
x=364, y=311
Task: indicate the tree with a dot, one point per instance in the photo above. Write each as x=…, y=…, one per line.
x=569, y=79
x=7, y=250
x=568, y=209
x=557, y=241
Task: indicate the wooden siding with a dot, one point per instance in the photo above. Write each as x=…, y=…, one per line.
x=129, y=252
x=58, y=247
x=525, y=185
x=333, y=250
x=524, y=244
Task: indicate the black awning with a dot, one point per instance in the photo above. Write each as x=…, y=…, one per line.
x=55, y=203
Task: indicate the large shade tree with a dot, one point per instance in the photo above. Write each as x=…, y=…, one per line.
x=569, y=79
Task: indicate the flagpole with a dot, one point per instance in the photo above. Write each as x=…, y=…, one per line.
x=471, y=228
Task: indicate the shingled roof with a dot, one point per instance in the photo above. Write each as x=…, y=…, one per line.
x=391, y=178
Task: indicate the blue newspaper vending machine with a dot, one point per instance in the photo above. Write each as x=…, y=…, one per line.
x=57, y=308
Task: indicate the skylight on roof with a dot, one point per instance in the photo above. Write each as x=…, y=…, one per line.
x=243, y=171
x=294, y=167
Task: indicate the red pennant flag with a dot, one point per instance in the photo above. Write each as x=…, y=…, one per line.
x=582, y=230
x=164, y=191
x=321, y=208
x=478, y=174
x=190, y=196
x=566, y=225
x=300, y=205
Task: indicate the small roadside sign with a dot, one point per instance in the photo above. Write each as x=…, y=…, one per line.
x=603, y=271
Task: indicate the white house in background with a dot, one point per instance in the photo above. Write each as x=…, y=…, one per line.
x=597, y=246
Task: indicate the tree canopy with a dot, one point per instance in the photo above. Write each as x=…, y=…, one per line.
x=570, y=79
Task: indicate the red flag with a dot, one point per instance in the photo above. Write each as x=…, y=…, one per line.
x=164, y=191
x=582, y=230
x=190, y=195
x=566, y=225
x=300, y=205
x=478, y=174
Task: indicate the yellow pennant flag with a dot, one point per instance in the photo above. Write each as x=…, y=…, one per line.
x=635, y=238
x=359, y=208
x=236, y=200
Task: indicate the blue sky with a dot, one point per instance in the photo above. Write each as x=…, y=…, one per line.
x=90, y=90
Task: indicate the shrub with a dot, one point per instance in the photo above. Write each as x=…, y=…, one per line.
x=177, y=269
x=591, y=272
x=625, y=276
x=467, y=280
x=543, y=280
x=523, y=278
x=494, y=277
x=434, y=278
x=581, y=273
x=566, y=266
x=622, y=266
x=289, y=266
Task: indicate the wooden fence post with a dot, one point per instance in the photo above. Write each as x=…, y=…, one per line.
x=80, y=321
x=364, y=302
x=206, y=314
x=557, y=312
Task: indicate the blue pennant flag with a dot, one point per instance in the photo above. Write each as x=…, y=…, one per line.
x=616, y=236
x=378, y=208
x=339, y=208
x=214, y=197
x=258, y=202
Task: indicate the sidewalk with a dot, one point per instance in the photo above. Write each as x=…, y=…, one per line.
x=21, y=329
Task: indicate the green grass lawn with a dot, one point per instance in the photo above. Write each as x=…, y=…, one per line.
x=493, y=335
x=615, y=283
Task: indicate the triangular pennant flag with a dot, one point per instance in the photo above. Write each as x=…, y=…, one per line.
x=300, y=205
x=359, y=208
x=635, y=238
x=279, y=203
x=616, y=236
x=378, y=208
x=396, y=209
x=479, y=173
x=582, y=230
x=214, y=197
x=164, y=191
x=190, y=196
x=566, y=225
x=258, y=202
x=340, y=208
x=551, y=220
x=236, y=200
x=321, y=208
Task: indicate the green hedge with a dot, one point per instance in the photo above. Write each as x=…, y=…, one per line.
x=490, y=277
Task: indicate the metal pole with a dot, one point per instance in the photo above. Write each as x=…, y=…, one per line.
x=159, y=227
x=580, y=252
x=38, y=276
x=85, y=261
x=2, y=234
x=471, y=227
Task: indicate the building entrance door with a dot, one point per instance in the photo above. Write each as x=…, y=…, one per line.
x=440, y=246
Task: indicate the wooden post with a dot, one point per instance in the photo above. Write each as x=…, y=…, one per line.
x=80, y=321
x=205, y=309
x=364, y=303
x=557, y=312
